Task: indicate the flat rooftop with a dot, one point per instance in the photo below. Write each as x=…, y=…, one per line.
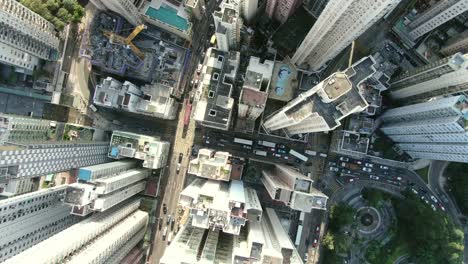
x=284, y=82
x=229, y=15
x=336, y=86
x=253, y=97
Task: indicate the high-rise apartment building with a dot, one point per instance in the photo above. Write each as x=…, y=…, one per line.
x=196, y=7
x=211, y=164
x=20, y=162
x=341, y=22
x=286, y=185
x=435, y=16
x=322, y=107
x=228, y=24
x=255, y=89
x=152, y=100
x=249, y=9
x=214, y=106
x=30, y=218
x=25, y=37
x=446, y=76
x=281, y=10
x=151, y=150
x=432, y=130
x=126, y=8
x=97, y=239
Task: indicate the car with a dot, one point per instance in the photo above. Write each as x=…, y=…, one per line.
x=359, y=162
x=160, y=223
x=172, y=224
x=383, y=167
x=433, y=207
x=414, y=191
x=246, y=147
x=370, y=165
x=221, y=145
x=344, y=159
x=223, y=140
x=433, y=199
x=373, y=177
x=164, y=208
x=442, y=207
x=180, y=157
x=314, y=243
x=348, y=171
x=398, y=178
x=281, y=146
x=317, y=229
x=272, y=149
x=282, y=151
x=331, y=163
x=286, y=157
x=168, y=219
x=334, y=169
x=351, y=180
x=367, y=169
x=178, y=168
x=277, y=155
x=207, y=142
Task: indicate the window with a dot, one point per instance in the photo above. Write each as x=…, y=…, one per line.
x=211, y=94
x=212, y=112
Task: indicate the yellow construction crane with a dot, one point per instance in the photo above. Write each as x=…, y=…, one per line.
x=114, y=38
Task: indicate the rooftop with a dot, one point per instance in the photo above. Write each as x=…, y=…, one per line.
x=283, y=82
x=211, y=165
x=214, y=107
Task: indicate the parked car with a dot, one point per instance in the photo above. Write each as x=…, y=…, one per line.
x=282, y=151
x=373, y=177
x=164, y=208
x=367, y=169
x=334, y=169
x=383, y=167
x=180, y=157
x=433, y=199
x=344, y=159
x=277, y=155
x=370, y=165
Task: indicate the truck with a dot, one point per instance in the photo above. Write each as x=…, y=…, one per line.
x=266, y=143
x=260, y=152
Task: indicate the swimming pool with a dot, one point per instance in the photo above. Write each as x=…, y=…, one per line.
x=169, y=16
x=284, y=74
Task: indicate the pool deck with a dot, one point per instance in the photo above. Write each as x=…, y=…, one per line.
x=289, y=84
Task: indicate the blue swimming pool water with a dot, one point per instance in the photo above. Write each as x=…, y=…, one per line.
x=169, y=16
x=283, y=77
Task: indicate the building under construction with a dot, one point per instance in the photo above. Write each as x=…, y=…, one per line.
x=115, y=46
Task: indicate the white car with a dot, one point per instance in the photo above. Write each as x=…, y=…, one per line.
x=277, y=155
x=367, y=169
x=433, y=199
x=433, y=207
x=374, y=177
x=333, y=169
x=344, y=159
x=370, y=165
x=399, y=178
x=383, y=167
x=414, y=191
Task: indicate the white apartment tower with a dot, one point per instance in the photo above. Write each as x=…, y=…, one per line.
x=25, y=37
x=443, y=77
x=323, y=107
x=432, y=130
x=227, y=27
x=435, y=16
x=250, y=8
x=28, y=219
x=254, y=93
x=102, y=238
x=125, y=8
x=341, y=22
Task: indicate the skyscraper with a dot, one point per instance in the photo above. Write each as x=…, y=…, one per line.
x=435, y=16
x=446, y=76
x=26, y=37
x=432, y=130
x=322, y=107
x=341, y=22
x=125, y=8
x=281, y=10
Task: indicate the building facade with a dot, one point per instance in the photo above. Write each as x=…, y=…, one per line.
x=315, y=7
x=126, y=8
x=456, y=44
x=281, y=10
x=28, y=219
x=340, y=23
x=432, y=130
x=228, y=24
x=446, y=76
x=435, y=16
x=21, y=162
x=214, y=106
x=25, y=37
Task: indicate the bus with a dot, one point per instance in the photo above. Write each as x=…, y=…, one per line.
x=188, y=111
x=266, y=144
x=298, y=236
x=243, y=141
x=260, y=152
x=298, y=155
x=301, y=217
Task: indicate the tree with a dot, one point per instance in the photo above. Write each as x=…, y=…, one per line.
x=372, y=196
x=340, y=216
x=57, y=12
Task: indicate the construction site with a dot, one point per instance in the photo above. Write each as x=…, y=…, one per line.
x=138, y=53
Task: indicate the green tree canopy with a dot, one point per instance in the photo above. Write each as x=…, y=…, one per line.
x=58, y=12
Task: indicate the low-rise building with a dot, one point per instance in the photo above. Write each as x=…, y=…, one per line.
x=151, y=150
x=214, y=106
x=151, y=100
